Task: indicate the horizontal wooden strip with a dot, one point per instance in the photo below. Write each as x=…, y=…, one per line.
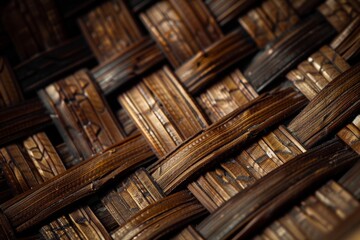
x=82, y=180
x=219, y=139
x=227, y=11
x=288, y=51
x=338, y=101
x=22, y=120
x=164, y=216
x=276, y=189
x=54, y=64
x=209, y=63
x=134, y=61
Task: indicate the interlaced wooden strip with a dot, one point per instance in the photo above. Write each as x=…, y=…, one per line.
x=53, y=64
x=181, y=28
x=317, y=215
x=288, y=51
x=136, y=193
x=320, y=213
x=196, y=73
x=176, y=208
x=9, y=91
x=38, y=22
x=163, y=111
x=347, y=43
x=226, y=11
x=244, y=206
x=340, y=13
x=77, y=182
x=237, y=127
x=78, y=109
x=110, y=29
x=346, y=89
x=133, y=61
x=312, y=75
x=226, y=95
x=22, y=119
x=267, y=22
x=233, y=175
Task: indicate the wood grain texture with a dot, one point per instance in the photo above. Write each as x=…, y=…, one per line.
x=216, y=141
x=289, y=50
x=10, y=92
x=239, y=172
x=269, y=192
x=350, y=181
x=338, y=101
x=226, y=95
x=313, y=74
x=321, y=213
x=109, y=29
x=53, y=64
x=340, y=13
x=206, y=65
x=135, y=193
x=81, y=115
x=22, y=119
x=314, y=217
x=38, y=22
x=227, y=11
x=181, y=28
x=30, y=164
x=166, y=215
x=80, y=181
x=129, y=64
x=347, y=43
x=163, y=111
x=269, y=21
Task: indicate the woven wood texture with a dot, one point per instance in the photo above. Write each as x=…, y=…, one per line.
x=181, y=119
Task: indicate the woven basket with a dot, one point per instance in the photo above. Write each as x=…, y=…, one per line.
x=183, y=119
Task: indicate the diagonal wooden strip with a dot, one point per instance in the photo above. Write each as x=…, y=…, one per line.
x=269, y=193
x=206, y=65
x=82, y=180
x=288, y=51
x=166, y=215
x=339, y=96
x=131, y=63
x=219, y=139
x=22, y=120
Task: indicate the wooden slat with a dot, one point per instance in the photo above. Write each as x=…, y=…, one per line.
x=269, y=195
x=163, y=111
x=287, y=51
x=236, y=128
x=166, y=215
x=109, y=29
x=9, y=91
x=81, y=115
x=268, y=21
x=82, y=180
x=343, y=93
x=181, y=28
x=127, y=65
